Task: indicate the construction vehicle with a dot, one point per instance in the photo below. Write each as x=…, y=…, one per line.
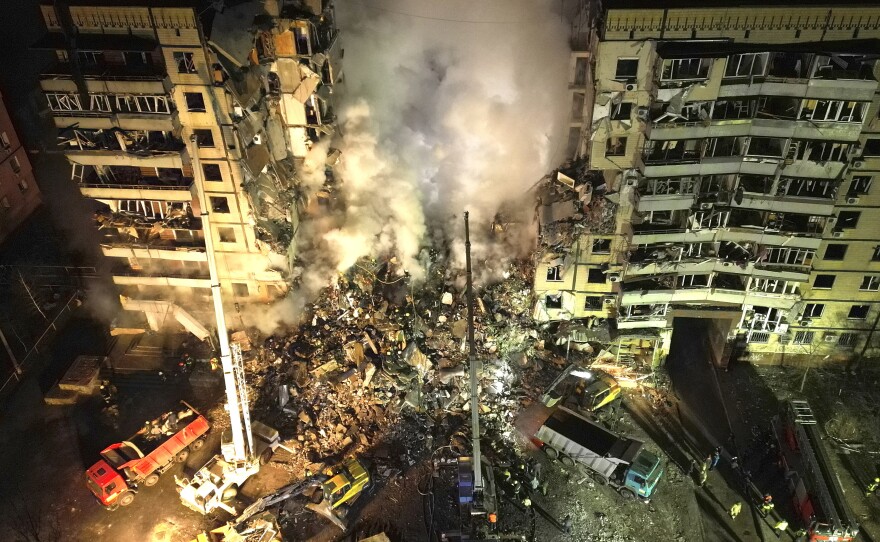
x=815, y=488
x=143, y=457
x=583, y=390
x=345, y=483
x=219, y=480
x=263, y=527
x=620, y=462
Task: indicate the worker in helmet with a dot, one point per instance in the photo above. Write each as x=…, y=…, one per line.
x=780, y=527
x=735, y=509
x=766, y=505
x=872, y=487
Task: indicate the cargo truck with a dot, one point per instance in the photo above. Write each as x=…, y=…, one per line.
x=620, y=462
x=144, y=456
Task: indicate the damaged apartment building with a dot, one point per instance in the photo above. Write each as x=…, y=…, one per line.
x=722, y=168
x=155, y=117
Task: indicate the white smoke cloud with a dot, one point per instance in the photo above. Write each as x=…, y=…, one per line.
x=447, y=106
x=466, y=101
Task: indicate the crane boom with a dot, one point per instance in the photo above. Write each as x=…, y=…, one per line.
x=230, y=356
x=472, y=363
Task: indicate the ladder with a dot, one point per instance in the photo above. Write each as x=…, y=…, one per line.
x=238, y=374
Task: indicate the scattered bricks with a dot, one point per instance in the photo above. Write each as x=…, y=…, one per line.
x=446, y=299
x=305, y=418
x=368, y=374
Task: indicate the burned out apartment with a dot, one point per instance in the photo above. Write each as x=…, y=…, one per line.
x=722, y=167
x=154, y=117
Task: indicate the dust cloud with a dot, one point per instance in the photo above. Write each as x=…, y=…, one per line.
x=446, y=107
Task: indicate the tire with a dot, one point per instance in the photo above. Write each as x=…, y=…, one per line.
x=627, y=494
x=566, y=460
x=229, y=493
x=151, y=480
x=551, y=452
x=197, y=444
x=126, y=498
x=181, y=456
x=266, y=456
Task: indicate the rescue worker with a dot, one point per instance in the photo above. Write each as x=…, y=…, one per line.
x=527, y=502
x=704, y=473
x=872, y=487
x=716, y=458
x=735, y=510
x=766, y=505
x=566, y=524
x=780, y=527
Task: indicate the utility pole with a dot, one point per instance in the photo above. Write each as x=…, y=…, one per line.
x=472, y=362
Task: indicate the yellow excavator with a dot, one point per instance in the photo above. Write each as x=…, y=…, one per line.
x=336, y=486
x=586, y=390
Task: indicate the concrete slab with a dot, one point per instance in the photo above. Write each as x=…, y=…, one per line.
x=82, y=377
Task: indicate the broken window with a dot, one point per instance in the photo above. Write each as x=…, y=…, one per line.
x=593, y=303
x=615, y=146
x=621, y=111
x=130, y=103
x=601, y=246
x=90, y=58
x=693, y=281
x=204, y=138
x=227, y=235
x=553, y=301
x=627, y=69
x=766, y=146
x=870, y=283
x=804, y=337
x=756, y=184
x=872, y=147
x=835, y=252
x=858, y=312
x=807, y=188
x=847, y=220
x=777, y=107
x=212, y=172
x=670, y=186
x=240, y=289
x=834, y=111
x=875, y=256
x=4, y=140
x=220, y=204
x=823, y=282
x=195, y=102
x=746, y=64
x=137, y=58
x=681, y=150
x=787, y=256
x=818, y=151
x=15, y=164
x=63, y=102
x=554, y=273
x=596, y=276
x=185, y=62
x=773, y=286
x=859, y=186
x=663, y=217
x=843, y=67
x=813, y=310
x=732, y=109
x=789, y=65
x=725, y=146
x=685, y=69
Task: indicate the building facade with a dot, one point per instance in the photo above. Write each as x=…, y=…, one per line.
x=153, y=115
x=19, y=194
x=726, y=174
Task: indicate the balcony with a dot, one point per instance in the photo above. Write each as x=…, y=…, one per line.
x=131, y=183
x=709, y=295
x=108, y=79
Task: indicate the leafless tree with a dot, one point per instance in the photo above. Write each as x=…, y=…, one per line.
x=32, y=521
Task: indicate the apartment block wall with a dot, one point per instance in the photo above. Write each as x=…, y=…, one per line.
x=735, y=214
x=19, y=194
x=159, y=256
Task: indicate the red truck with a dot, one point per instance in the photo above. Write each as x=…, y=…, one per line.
x=147, y=454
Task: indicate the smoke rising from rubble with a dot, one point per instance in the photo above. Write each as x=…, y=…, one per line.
x=446, y=107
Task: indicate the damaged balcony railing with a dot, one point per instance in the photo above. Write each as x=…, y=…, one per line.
x=131, y=177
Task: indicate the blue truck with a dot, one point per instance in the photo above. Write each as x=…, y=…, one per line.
x=620, y=462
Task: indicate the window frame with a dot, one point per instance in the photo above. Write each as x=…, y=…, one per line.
x=624, y=77
x=186, y=62
x=860, y=307
x=816, y=279
x=816, y=310
x=870, y=283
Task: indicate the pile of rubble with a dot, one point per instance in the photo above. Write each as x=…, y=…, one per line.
x=379, y=368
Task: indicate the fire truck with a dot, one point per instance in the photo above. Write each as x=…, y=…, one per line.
x=144, y=456
x=815, y=489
